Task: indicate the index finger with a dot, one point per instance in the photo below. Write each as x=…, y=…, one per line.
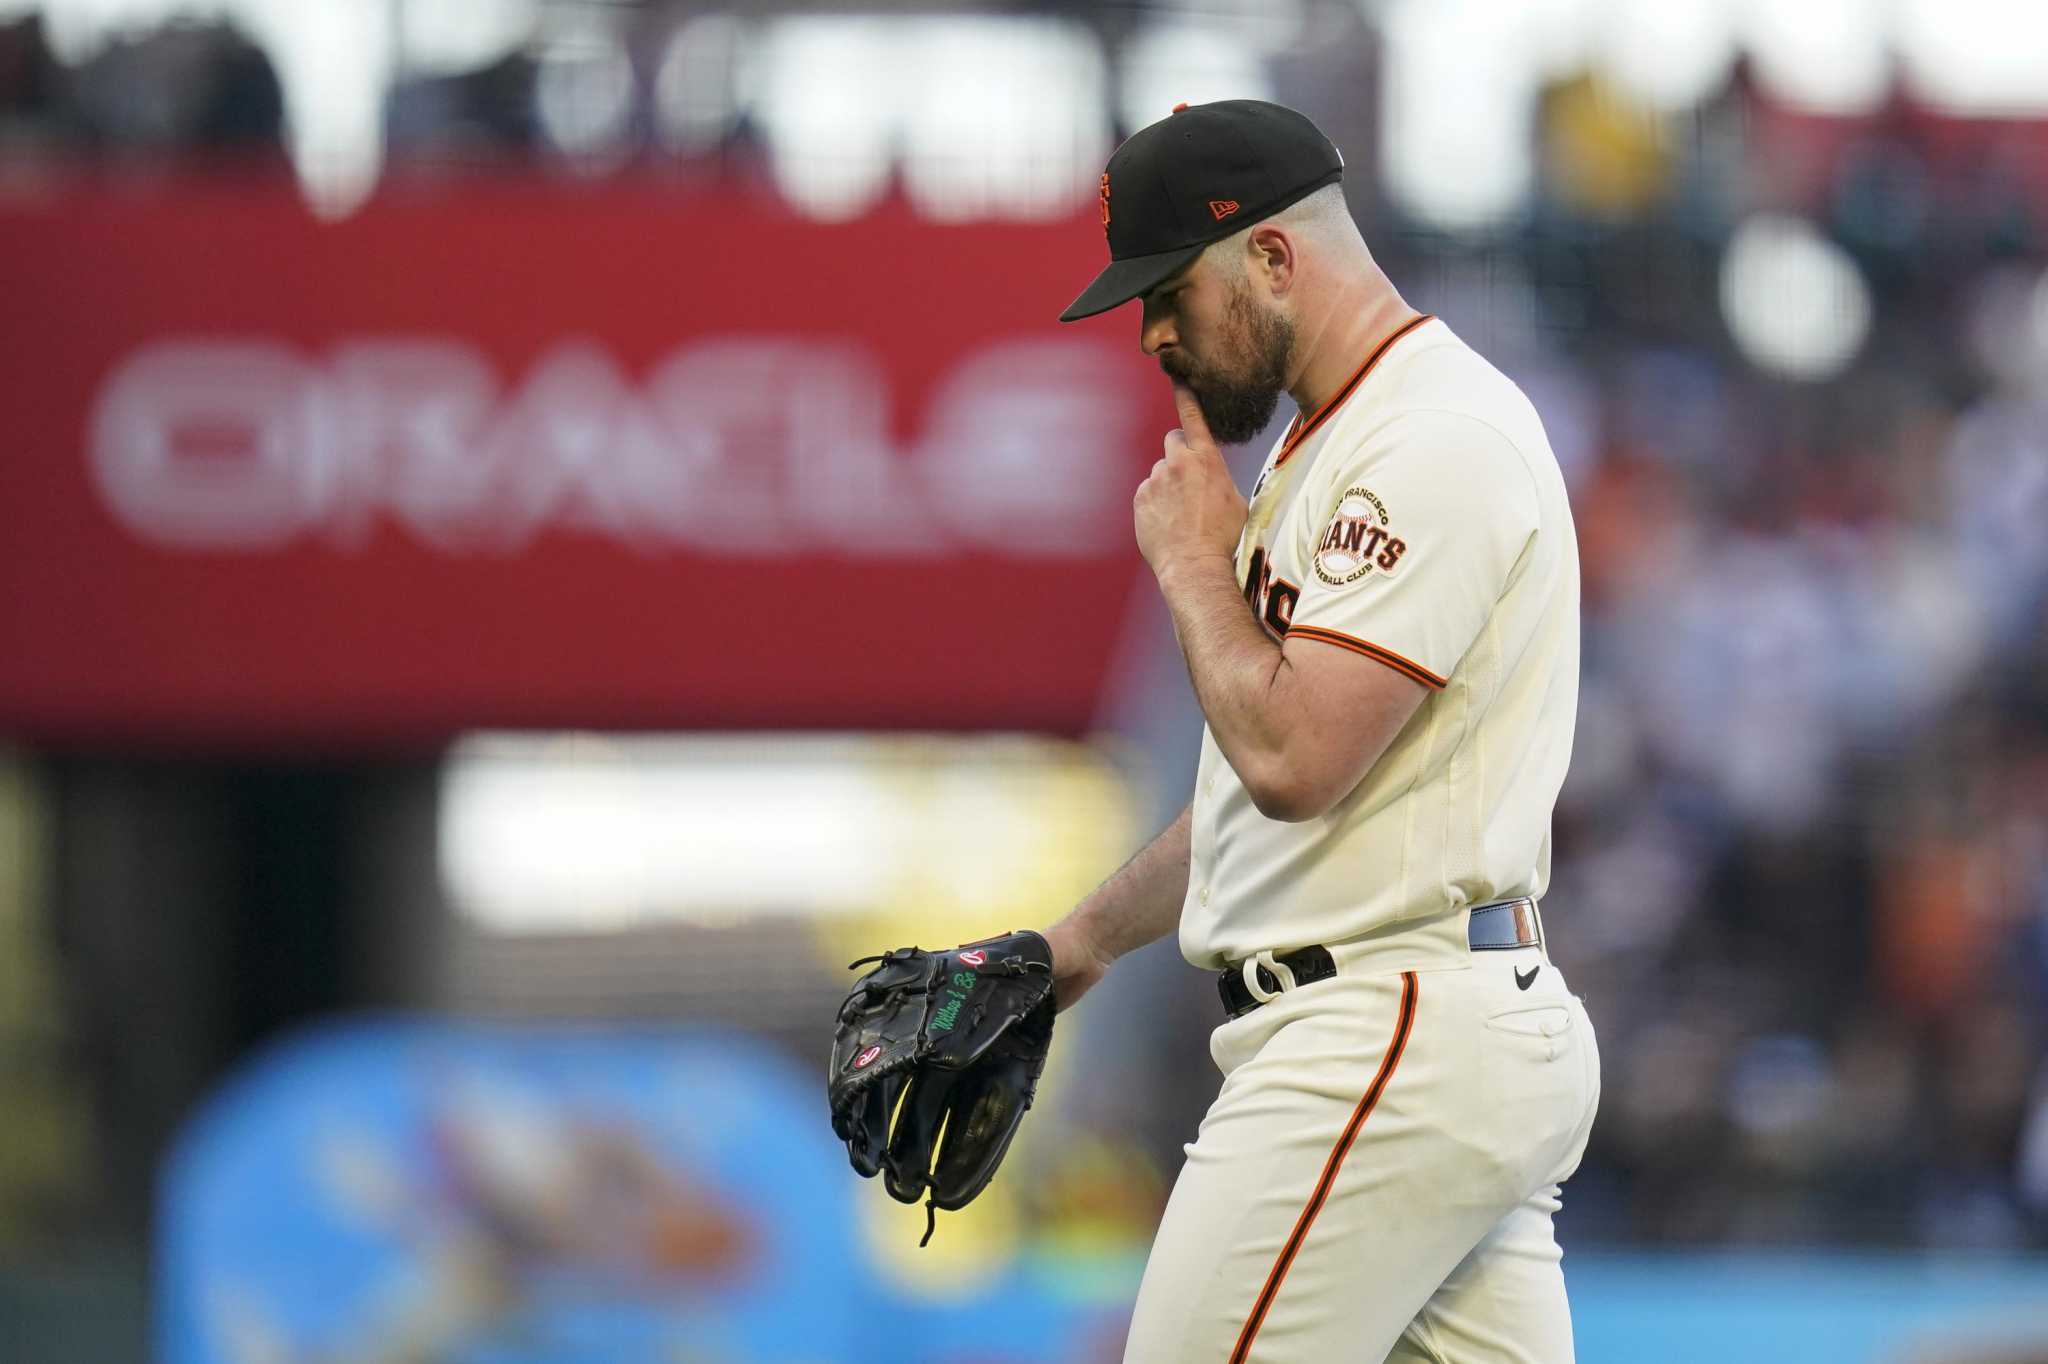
x=1191, y=420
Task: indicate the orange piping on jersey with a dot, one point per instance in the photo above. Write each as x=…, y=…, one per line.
x=1405, y=666
x=1300, y=431
x=1409, y=989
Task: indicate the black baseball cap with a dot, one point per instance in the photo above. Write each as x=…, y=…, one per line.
x=1196, y=176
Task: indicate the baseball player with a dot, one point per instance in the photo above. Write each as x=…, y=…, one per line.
x=1384, y=642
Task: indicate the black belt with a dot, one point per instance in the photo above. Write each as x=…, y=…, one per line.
x=1499, y=927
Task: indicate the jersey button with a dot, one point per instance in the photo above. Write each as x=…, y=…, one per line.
x=1205, y=895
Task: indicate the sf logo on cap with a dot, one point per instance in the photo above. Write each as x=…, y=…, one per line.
x=1105, y=199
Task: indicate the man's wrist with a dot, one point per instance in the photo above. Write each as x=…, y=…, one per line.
x=1071, y=937
x=1190, y=569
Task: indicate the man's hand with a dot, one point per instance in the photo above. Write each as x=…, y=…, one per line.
x=1189, y=508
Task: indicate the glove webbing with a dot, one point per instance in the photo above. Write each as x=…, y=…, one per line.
x=1012, y=965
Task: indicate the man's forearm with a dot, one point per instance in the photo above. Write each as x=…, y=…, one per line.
x=1236, y=668
x=1139, y=903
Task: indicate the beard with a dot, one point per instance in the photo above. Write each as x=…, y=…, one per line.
x=1239, y=395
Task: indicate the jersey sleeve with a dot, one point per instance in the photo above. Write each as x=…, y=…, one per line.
x=1415, y=538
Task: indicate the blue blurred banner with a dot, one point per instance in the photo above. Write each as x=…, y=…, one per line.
x=400, y=1191
x=1814, y=1307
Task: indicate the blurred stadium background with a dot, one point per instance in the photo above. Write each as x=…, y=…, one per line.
x=532, y=531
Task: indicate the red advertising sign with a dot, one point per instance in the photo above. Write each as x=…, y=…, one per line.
x=516, y=454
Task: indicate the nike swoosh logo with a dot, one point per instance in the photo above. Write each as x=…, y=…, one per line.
x=1523, y=982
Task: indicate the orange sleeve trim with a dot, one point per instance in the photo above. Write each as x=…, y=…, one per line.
x=1407, y=667
x=1301, y=429
x=1399, y=1043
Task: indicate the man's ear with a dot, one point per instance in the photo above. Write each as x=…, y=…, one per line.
x=1271, y=254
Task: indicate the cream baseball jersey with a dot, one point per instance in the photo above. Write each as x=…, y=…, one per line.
x=1419, y=519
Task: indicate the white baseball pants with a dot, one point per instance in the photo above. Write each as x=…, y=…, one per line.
x=1376, y=1178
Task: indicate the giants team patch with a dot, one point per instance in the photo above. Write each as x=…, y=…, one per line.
x=1357, y=541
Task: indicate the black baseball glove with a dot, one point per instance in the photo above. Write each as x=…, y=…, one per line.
x=931, y=1040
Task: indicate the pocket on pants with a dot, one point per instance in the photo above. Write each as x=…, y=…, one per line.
x=1542, y=1019
x=1534, y=1080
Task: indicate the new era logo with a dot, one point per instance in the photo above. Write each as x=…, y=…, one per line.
x=1222, y=208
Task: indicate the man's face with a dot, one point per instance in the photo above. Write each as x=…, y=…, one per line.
x=1212, y=333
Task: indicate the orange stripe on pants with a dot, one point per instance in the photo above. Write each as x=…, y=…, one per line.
x=1402, y=1026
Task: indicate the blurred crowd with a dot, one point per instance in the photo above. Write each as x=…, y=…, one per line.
x=183, y=89
x=1803, y=853
x=1802, y=858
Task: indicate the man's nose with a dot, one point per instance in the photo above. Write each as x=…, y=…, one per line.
x=1156, y=335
